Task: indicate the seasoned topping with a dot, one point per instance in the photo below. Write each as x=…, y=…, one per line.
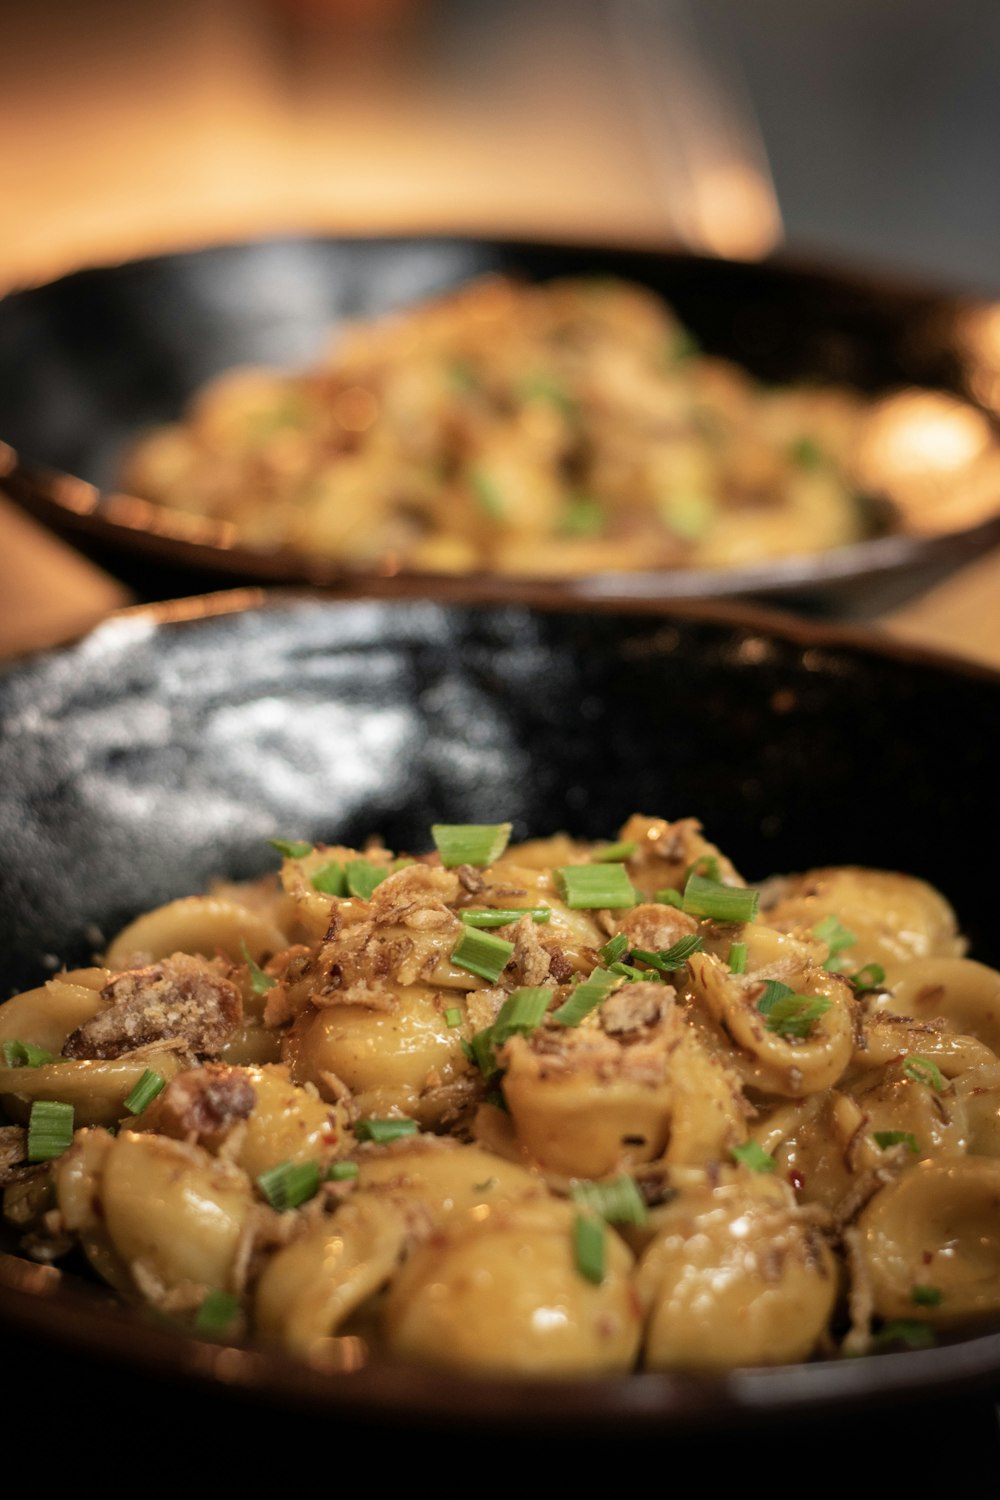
x=180, y=997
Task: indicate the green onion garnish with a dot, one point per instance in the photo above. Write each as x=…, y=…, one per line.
x=614, y=949
x=583, y=516
x=260, y=982
x=481, y=953
x=453, y=1016
x=751, y=1154
x=342, y=1171
x=27, y=1055
x=216, y=1314
x=587, y=996
x=837, y=937
x=926, y=1296
x=480, y=1054
x=294, y=850
x=668, y=960
x=501, y=916
x=383, y=1131
x=669, y=897
x=631, y=973
x=887, y=1138
x=330, y=879
x=589, y=887
x=618, y=1201
x=609, y=853
x=738, y=958
x=588, y=1247
x=722, y=903
x=789, y=1014
x=521, y=1013
x=145, y=1091
x=868, y=978
x=362, y=877
x=50, y=1129
x=470, y=843
x=707, y=866
x=289, y=1184
x=908, y=1331
x=543, y=387
x=490, y=499
x=683, y=346
x=923, y=1070
x=805, y=453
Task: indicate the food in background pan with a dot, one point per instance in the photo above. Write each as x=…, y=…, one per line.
x=551, y=1108
x=551, y=429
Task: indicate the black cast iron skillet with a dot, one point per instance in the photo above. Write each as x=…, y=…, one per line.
x=172, y=742
x=88, y=361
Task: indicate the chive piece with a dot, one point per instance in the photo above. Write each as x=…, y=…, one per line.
x=583, y=516
x=403, y=863
x=145, y=1091
x=868, y=978
x=669, y=897
x=260, y=982
x=383, y=1131
x=683, y=346
x=521, y=1013
x=805, y=453
x=618, y=1201
x=330, y=879
x=887, y=1138
x=837, y=937
x=926, y=1296
x=751, y=1154
x=722, y=903
x=488, y=495
x=588, y=1247
x=909, y=1331
x=589, y=887
x=453, y=1016
x=289, y=1184
x=609, y=853
x=27, y=1055
x=470, y=843
x=788, y=1014
x=481, y=953
x=589, y=994
x=923, y=1070
x=342, y=1171
x=614, y=948
x=502, y=916
x=707, y=866
x=738, y=958
x=480, y=1053
x=543, y=387
x=632, y=974
x=294, y=850
x=217, y=1314
x=462, y=375
x=50, y=1129
x=362, y=877
x=668, y=960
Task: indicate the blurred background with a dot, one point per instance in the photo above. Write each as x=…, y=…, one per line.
x=859, y=131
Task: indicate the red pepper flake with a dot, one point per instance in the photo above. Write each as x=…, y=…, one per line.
x=796, y=1178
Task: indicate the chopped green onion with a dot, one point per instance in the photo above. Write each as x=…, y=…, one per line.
x=480, y=1053
x=805, y=453
x=682, y=347
x=614, y=948
x=837, y=937
x=342, y=1171
x=488, y=495
x=543, y=387
x=330, y=879
x=789, y=1014
x=145, y=1091
x=453, y=1016
x=689, y=515
x=583, y=516
x=589, y=887
x=631, y=973
x=260, y=982
x=403, y=863
x=923, y=1070
x=502, y=916
x=926, y=1296
x=587, y=996
x=618, y=1201
x=470, y=843
x=289, y=1184
x=886, y=1138
x=588, y=1247
x=738, y=958
x=669, y=897
x=668, y=960
x=721, y=903
x=50, y=1129
x=608, y=853
x=294, y=850
x=707, y=866
x=383, y=1131
x=908, y=1331
x=462, y=376
x=751, y=1154
x=27, y=1055
x=481, y=953
x=521, y=1013
x=363, y=877
x=217, y=1314
x=868, y=978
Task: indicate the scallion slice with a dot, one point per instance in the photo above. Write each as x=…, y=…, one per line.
x=362, y=877
x=502, y=916
x=521, y=1013
x=289, y=1184
x=217, y=1314
x=837, y=937
x=909, y=1331
x=488, y=495
x=588, y=1247
x=145, y=1091
x=609, y=853
x=926, y=1296
x=721, y=903
x=707, y=866
x=789, y=1014
x=590, y=887
x=260, y=982
x=923, y=1070
x=614, y=949
x=50, y=1129
x=738, y=958
x=477, y=844
x=27, y=1055
x=453, y=1016
x=330, y=879
x=618, y=1200
x=669, y=897
x=868, y=978
x=751, y=1154
x=482, y=953
x=480, y=1054
x=295, y=849
x=887, y=1138
x=668, y=960
x=342, y=1171
x=383, y=1131
x=588, y=995
x=631, y=973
